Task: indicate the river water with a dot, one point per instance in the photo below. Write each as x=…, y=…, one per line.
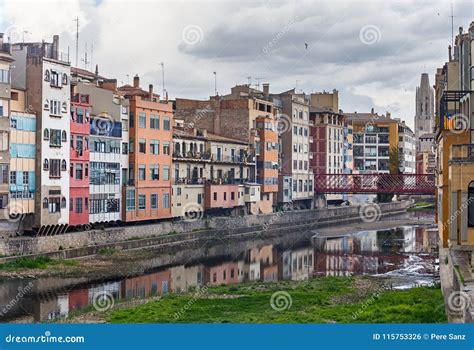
x=404, y=257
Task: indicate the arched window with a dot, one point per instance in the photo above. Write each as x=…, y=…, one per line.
x=63, y=202
x=46, y=134
x=47, y=75
x=64, y=107
x=470, y=205
x=46, y=105
x=63, y=165
x=45, y=203
x=63, y=136
x=65, y=79
x=45, y=164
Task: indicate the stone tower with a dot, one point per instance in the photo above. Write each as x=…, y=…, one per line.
x=424, y=117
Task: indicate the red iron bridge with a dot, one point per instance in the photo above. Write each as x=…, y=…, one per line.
x=375, y=183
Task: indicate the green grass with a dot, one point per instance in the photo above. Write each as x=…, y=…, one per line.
x=322, y=300
x=41, y=262
x=107, y=251
x=27, y=263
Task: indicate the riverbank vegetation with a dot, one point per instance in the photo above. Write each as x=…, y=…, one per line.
x=320, y=300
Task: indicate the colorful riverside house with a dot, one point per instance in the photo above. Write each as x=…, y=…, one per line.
x=108, y=144
x=6, y=62
x=44, y=73
x=79, y=165
x=234, y=116
x=211, y=173
x=267, y=156
x=454, y=146
x=22, y=164
x=148, y=189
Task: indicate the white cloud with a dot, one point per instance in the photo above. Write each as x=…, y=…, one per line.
x=133, y=37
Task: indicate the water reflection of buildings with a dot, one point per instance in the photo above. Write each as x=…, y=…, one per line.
x=363, y=253
x=371, y=252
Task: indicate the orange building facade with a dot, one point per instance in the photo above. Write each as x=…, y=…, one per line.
x=148, y=189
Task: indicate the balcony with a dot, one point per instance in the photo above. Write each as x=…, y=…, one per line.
x=192, y=155
x=205, y=181
x=81, y=98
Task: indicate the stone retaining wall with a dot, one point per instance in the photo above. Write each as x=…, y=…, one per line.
x=74, y=240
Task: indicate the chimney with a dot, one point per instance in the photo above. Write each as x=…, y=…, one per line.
x=150, y=91
x=136, y=81
x=96, y=69
x=449, y=53
x=55, y=47
x=266, y=90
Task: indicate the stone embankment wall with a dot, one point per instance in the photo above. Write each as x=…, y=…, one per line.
x=75, y=244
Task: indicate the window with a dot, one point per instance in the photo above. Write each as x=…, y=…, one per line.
x=79, y=143
x=154, y=121
x=78, y=171
x=166, y=173
x=130, y=199
x=131, y=120
x=154, y=172
x=55, y=82
x=55, y=108
x=166, y=147
x=166, y=123
x=154, y=201
x=55, y=168
x=155, y=147
x=142, y=120
x=13, y=177
x=141, y=202
x=166, y=200
x=142, y=146
x=215, y=196
x=45, y=164
x=65, y=79
x=132, y=146
x=53, y=204
x=64, y=107
x=79, y=115
x=470, y=201
x=63, y=165
x=141, y=172
x=63, y=136
x=47, y=75
x=124, y=148
x=78, y=205
x=46, y=105
x=232, y=196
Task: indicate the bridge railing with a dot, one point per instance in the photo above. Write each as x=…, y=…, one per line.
x=375, y=183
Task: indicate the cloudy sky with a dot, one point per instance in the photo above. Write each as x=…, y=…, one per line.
x=373, y=52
